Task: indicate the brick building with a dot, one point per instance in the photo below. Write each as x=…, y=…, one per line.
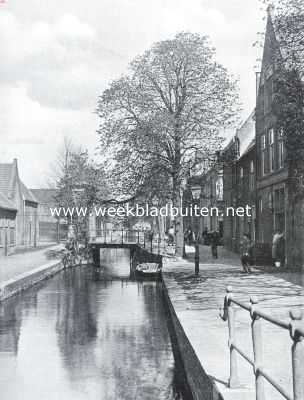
x=274, y=198
x=239, y=184
x=209, y=177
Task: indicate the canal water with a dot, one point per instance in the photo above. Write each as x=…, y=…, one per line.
x=83, y=336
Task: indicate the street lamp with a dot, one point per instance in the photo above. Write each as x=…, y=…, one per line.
x=196, y=194
x=182, y=188
x=154, y=224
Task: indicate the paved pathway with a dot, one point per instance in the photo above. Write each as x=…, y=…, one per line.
x=16, y=264
x=197, y=301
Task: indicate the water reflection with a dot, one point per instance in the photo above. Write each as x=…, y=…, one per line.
x=82, y=337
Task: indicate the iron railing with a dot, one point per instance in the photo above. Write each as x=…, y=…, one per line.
x=123, y=236
x=296, y=330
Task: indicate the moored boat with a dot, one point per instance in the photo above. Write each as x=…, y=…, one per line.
x=148, y=271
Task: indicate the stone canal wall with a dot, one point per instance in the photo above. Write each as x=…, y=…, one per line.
x=198, y=381
x=27, y=279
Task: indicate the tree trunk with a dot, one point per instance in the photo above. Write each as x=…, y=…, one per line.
x=179, y=229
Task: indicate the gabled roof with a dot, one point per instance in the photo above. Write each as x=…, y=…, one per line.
x=6, y=204
x=250, y=147
x=246, y=133
x=6, y=179
x=279, y=43
x=9, y=179
x=27, y=194
x=45, y=196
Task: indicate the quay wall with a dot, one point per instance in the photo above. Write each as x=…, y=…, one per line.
x=199, y=383
x=28, y=279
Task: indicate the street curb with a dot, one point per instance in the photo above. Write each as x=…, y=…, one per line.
x=200, y=384
x=28, y=279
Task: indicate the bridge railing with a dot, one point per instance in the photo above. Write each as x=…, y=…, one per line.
x=119, y=236
x=145, y=239
x=295, y=328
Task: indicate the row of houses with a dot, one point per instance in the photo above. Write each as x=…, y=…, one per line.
x=25, y=219
x=254, y=170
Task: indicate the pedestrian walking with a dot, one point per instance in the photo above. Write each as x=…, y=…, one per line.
x=214, y=244
x=171, y=234
x=278, y=249
x=188, y=236
x=246, y=253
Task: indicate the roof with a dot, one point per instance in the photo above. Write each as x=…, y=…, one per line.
x=9, y=179
x=45, y=196
x=6, y=178
x=250, y=147
x=6, y=204
x=246, y=133
x=282, y=39
x=27, y=194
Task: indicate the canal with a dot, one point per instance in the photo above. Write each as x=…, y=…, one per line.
x=84, y=336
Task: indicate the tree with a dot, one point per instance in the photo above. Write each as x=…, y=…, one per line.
x=162, y=118
x=79, y=181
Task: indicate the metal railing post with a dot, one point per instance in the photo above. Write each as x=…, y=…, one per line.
x=256, y=331
x=122, y=236
x=138, y=237
x=297, y=354
x=5, y=242
x=144, y=240
x=233, y=379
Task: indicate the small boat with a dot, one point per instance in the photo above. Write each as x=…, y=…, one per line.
x=148, y=271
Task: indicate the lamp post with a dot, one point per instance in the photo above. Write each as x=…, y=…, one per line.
x=182, y=188
x=196, y=193
x=154, y=224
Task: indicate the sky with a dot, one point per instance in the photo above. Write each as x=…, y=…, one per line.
x=58, y=56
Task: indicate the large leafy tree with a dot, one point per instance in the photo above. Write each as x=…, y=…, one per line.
x=80, y=182
x=164, y=116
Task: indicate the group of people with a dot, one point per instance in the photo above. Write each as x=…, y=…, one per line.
x=277, y=251
x=246, y=249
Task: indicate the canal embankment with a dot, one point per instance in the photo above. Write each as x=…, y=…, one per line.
x=202, y=336
x=21, y=271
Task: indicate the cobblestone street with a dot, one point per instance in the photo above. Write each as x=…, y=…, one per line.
x=197, y=301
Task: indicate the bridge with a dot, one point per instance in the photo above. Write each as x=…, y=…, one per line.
x=144, y=245
x=120, y=238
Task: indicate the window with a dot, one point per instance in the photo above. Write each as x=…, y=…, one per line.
x=263, y=154
x=241, y=173
x=271, y=149
x=251, y=176
x=280, y=148
x=12, y=238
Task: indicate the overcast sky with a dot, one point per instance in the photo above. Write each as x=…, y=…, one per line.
x=58, y=55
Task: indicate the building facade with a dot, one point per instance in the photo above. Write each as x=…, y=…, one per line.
x=274, y=177
x=24, y=203
x=7, y=226
x=239, y=185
